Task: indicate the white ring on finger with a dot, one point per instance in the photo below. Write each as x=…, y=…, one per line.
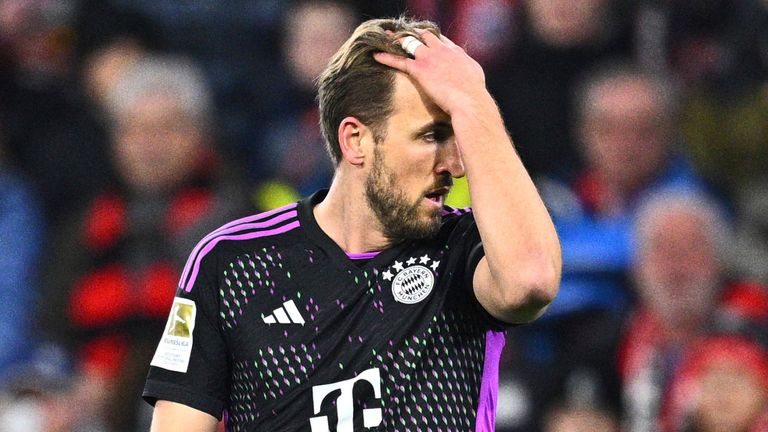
x=410, y=43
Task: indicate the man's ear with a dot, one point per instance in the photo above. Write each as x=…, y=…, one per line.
x=351, y=132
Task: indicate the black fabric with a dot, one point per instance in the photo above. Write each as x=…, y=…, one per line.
x=251, y=356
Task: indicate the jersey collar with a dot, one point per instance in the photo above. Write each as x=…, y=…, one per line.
x=338, y=255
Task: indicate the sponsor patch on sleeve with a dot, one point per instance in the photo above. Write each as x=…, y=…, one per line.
x=175, y=347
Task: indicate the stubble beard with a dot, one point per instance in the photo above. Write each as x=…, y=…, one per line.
x=398, y=218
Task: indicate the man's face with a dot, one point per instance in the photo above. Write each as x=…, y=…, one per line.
x=155, y=144
x=678, y=269
x=412, y=166
x=566, y=23
x=731, y=397
x=314, y=32
x=623, y=131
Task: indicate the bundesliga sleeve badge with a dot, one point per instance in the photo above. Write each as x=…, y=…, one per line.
x=175, y=347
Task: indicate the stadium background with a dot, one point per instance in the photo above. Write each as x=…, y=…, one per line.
x=96, y=212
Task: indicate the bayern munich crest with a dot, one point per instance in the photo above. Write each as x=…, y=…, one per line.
x=412, y=284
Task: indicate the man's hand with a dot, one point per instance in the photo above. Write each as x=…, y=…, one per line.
x=446, y=73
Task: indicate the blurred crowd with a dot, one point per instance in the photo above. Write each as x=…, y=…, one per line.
x=130, y=128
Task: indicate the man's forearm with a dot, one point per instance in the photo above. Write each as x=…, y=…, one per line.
x=521, y=246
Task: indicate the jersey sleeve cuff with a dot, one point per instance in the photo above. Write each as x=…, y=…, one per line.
x=475, y=255
x=156, y=390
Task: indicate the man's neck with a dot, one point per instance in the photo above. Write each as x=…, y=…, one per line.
x=344, y=215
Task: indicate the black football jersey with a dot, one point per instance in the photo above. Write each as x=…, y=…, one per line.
x=277, y=329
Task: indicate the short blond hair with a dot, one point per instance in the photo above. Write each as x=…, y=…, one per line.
x=354, y=84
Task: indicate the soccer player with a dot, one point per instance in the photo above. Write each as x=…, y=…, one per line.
x=369, y=306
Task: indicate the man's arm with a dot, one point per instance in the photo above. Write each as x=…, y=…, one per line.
x=520, y=273
x=175, y=417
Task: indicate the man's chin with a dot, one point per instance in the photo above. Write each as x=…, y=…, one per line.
x=426, y=228
x=429, y=226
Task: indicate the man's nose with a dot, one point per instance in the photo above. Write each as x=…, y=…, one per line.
x=449, y=160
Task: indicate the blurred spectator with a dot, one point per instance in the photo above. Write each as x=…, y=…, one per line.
x=725, y=122
x=556, y=43
x=41, y=396
x=576, y=418
x=236, y=45
x=625, y=125
x=105, y=66
x=725, y=67
x=49, y=126
x=22, y=231
x=684, y=294
x=752, y=230
x=109, y=41
x=700, y=43
x=38, y=34
x=117, y=264
x=101, y=23
x=290, y=150
x=726, y=135
x=722, y=386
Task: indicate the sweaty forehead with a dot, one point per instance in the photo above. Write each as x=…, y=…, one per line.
x=412, y=105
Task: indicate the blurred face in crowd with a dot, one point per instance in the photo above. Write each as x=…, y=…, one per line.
x=624, y=132
x=731, y=398
x=580, y=420
x=156, y=145
x=314, y=32
x=678, y=269
x=413, y=165
x=567, y=23
x=106, y=66
x=38, y=34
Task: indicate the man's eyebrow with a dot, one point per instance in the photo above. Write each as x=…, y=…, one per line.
x=437, y=125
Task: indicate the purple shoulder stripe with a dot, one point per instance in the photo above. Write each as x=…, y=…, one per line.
x=256, y=217
x=248, y=236
x=230, y=225
x=489, y=388
x=255, y=222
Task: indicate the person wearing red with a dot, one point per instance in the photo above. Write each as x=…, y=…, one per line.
x=684, y=295
x=722, y=386
x=118, y=263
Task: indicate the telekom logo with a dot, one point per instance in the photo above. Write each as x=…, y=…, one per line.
x=345, y=407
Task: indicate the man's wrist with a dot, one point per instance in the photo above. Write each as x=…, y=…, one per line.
x=483, y=106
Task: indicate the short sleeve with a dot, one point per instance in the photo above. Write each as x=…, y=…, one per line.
x=190, y=365
x=467, y=250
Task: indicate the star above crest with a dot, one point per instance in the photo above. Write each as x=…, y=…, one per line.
x=387, y=275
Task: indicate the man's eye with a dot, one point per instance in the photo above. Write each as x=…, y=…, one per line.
x=435, y=136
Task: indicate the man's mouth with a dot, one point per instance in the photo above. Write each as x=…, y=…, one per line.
x=438, y=195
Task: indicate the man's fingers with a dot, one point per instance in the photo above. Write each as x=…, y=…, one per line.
x=410, y=44
x=428, y=37
x=447, y=41
x=393, y=61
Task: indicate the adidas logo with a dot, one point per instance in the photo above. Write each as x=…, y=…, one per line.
x=286, y=314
